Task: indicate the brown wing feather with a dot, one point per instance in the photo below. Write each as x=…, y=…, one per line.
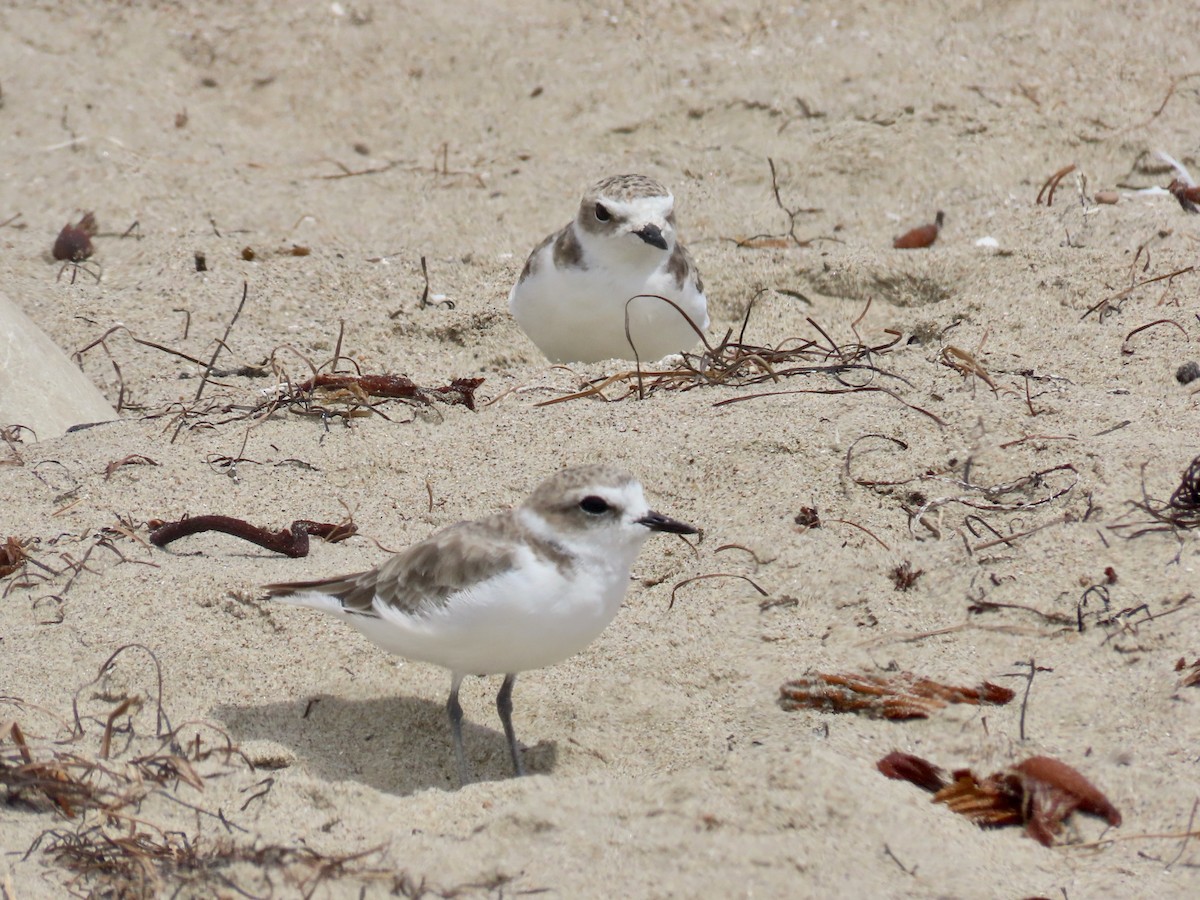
x=425, y=574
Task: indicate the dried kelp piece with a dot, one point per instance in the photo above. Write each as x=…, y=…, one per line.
x=900, y=696
x=906, y=767
x=460, y=391
x=988, y=803
x=1040, y=793
x=921, y=237
x=12, y=556
x=74, y=242
x=28, y=782
x=1188, y=195
x=73, y=247
x=291, y=541
x=1052, y=790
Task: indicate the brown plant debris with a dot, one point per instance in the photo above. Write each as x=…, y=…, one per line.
x=966, y=364
x=134, y=459
x=358, y=388
x=921, y=237
x=901, y=696
x=12, y=556
x=73, y=247
x=74, y=242
x=143, y=862
x=1039, y=793
x=1111, y=304
x=291, y=541
x=734, y=362
x=73, y=783
x=1188, y=195
x=1182, y=511
x=1186, y=499
x=1051, y=184
x=787, y=239
x=114, y=845
x=1191, y=673
x=808, y=517
x=904, y=576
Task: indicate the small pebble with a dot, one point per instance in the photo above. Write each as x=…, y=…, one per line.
x=1109, y=197
x=1187, y=373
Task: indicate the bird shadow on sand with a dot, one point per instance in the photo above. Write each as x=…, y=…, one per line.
x=398, y=745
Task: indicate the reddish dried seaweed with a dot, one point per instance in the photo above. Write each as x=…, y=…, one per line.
x=902, y=696
x=12, y=556
x=1039, y=792
x=906, y=767
x=921, y=237
x=291, y=541
x=1188, y=195
x=74, y=242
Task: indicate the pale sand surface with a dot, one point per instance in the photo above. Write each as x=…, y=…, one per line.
x=663, y=763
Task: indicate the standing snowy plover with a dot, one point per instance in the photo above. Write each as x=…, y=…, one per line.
x=518, y=590
x=572, y=294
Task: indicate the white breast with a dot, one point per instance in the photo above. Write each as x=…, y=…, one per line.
x=529, y=617
x=578, y=315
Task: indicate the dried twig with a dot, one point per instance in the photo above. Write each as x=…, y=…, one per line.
x=787, y=237
x=221, y=344
x=1127, y=348
x=1114, y=301
x=1051, y=184
x=733, y=362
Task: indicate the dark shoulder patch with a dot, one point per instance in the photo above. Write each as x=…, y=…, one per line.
x=681, y=268
x=531, y=263
x=568, y=254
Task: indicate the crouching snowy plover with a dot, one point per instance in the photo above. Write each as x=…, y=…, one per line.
x=572, y=294
x=518, y=590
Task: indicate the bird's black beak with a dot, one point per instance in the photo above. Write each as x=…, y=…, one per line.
x=653, y=236
x=658, y=522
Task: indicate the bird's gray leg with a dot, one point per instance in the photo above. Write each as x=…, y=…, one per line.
x=504, y=707
x=454, y=710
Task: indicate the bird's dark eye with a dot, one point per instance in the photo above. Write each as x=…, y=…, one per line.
x=602, y=214
x=594, y=505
